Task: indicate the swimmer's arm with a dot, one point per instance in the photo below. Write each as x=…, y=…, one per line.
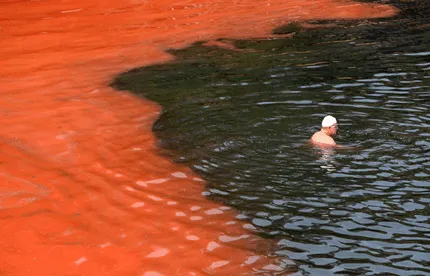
x=345, y=147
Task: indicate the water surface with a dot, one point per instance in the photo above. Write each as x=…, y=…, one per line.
x=84, y=189
x=241, y=118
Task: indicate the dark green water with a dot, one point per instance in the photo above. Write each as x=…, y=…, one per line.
x=242, y=119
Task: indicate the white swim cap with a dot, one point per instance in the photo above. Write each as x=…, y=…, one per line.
x=328, y=121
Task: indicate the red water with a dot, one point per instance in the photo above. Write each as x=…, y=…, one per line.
x=84, y=190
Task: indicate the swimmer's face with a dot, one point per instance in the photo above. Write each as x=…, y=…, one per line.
x=333, y=130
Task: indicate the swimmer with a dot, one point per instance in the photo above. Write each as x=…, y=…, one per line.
x=328, y=130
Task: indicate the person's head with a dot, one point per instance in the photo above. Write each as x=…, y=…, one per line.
x=329, y=125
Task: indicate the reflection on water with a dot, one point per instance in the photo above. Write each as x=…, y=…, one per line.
x=326, y=157
x=242, y=119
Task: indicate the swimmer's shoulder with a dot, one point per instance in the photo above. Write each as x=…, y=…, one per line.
x=320, y=137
